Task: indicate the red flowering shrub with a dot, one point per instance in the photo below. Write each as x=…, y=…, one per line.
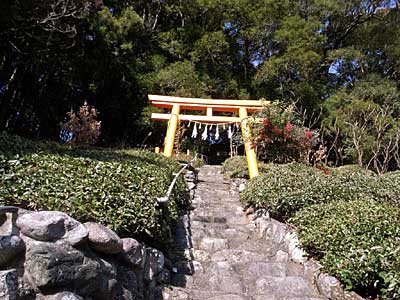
x=279, y=135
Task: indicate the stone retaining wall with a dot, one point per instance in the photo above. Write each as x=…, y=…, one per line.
x=48, y=255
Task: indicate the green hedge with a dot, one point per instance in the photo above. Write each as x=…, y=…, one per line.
x=285, y=189
x=388, y=187
x=236, y=167
x=116, y=188
x=356, y=241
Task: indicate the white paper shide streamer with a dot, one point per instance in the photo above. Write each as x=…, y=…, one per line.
x=205, y=133
x=217, y=133
x=194, y=133
x=230, y=133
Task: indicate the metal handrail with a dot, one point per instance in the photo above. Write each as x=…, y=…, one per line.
x=165, y=199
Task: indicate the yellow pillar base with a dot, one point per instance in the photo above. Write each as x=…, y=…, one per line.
x=250, y=153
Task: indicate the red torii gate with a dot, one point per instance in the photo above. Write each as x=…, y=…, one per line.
x=176, y=104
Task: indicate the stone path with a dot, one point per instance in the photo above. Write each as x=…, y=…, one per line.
x=223, y=258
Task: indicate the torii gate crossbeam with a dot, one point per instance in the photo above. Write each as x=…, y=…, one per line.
x=177, y=104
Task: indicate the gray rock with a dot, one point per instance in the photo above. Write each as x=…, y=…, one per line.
x=106, y=281
x=284, y=286
x=311, y=269
x=175, y=294
x=164, y=277
x=213, y=244
x=282, y=256
x=250, y=210
x=329, y=286
x=50, y=266
x=3, y=219
x=129, y=287
x=134, y=253
x=154, y=264
x=241, y=187
x=227, y=297
x=295, y=252
x=52, y=226
x=10, y=247
x=103, y=239
x=260, y=269
x=8, y=284
x=227, y=283
x=60, y=296
x=7, y=227
x=8, y=216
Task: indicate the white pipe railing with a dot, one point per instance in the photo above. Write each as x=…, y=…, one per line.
x=165, y=199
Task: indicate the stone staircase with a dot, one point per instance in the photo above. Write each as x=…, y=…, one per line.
x=223, y=258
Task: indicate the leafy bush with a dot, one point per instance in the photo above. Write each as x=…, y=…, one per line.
x=280, y=134
x=283, y=189
x=116, y=188
x=236, y=167
x=356, y=241
x=388, y=188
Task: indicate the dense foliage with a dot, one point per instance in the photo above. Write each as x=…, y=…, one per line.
x=113, y=53
x=363, y=125
x=116, y=188
x=356, y=241
x=285, y=189
x=236, y=167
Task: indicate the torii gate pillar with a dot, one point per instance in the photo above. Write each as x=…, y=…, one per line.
x=250, y=152
x=171, y=131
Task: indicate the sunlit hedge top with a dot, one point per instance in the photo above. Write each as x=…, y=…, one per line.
x=116, y=188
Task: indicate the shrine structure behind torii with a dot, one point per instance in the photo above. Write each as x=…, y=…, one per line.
x=178, y=104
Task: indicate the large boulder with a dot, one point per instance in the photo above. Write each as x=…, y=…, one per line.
x=52, y=226
x=103, y=239
x=134, y=253
x=10, y=247
x=53, y=266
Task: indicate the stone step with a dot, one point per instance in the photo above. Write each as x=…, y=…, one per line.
x=284, y=287
x=224, y=256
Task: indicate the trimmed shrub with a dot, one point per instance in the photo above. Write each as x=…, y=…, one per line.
x=116, y=188
x=285, y=189
x=356, y=241
x=236, y=167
